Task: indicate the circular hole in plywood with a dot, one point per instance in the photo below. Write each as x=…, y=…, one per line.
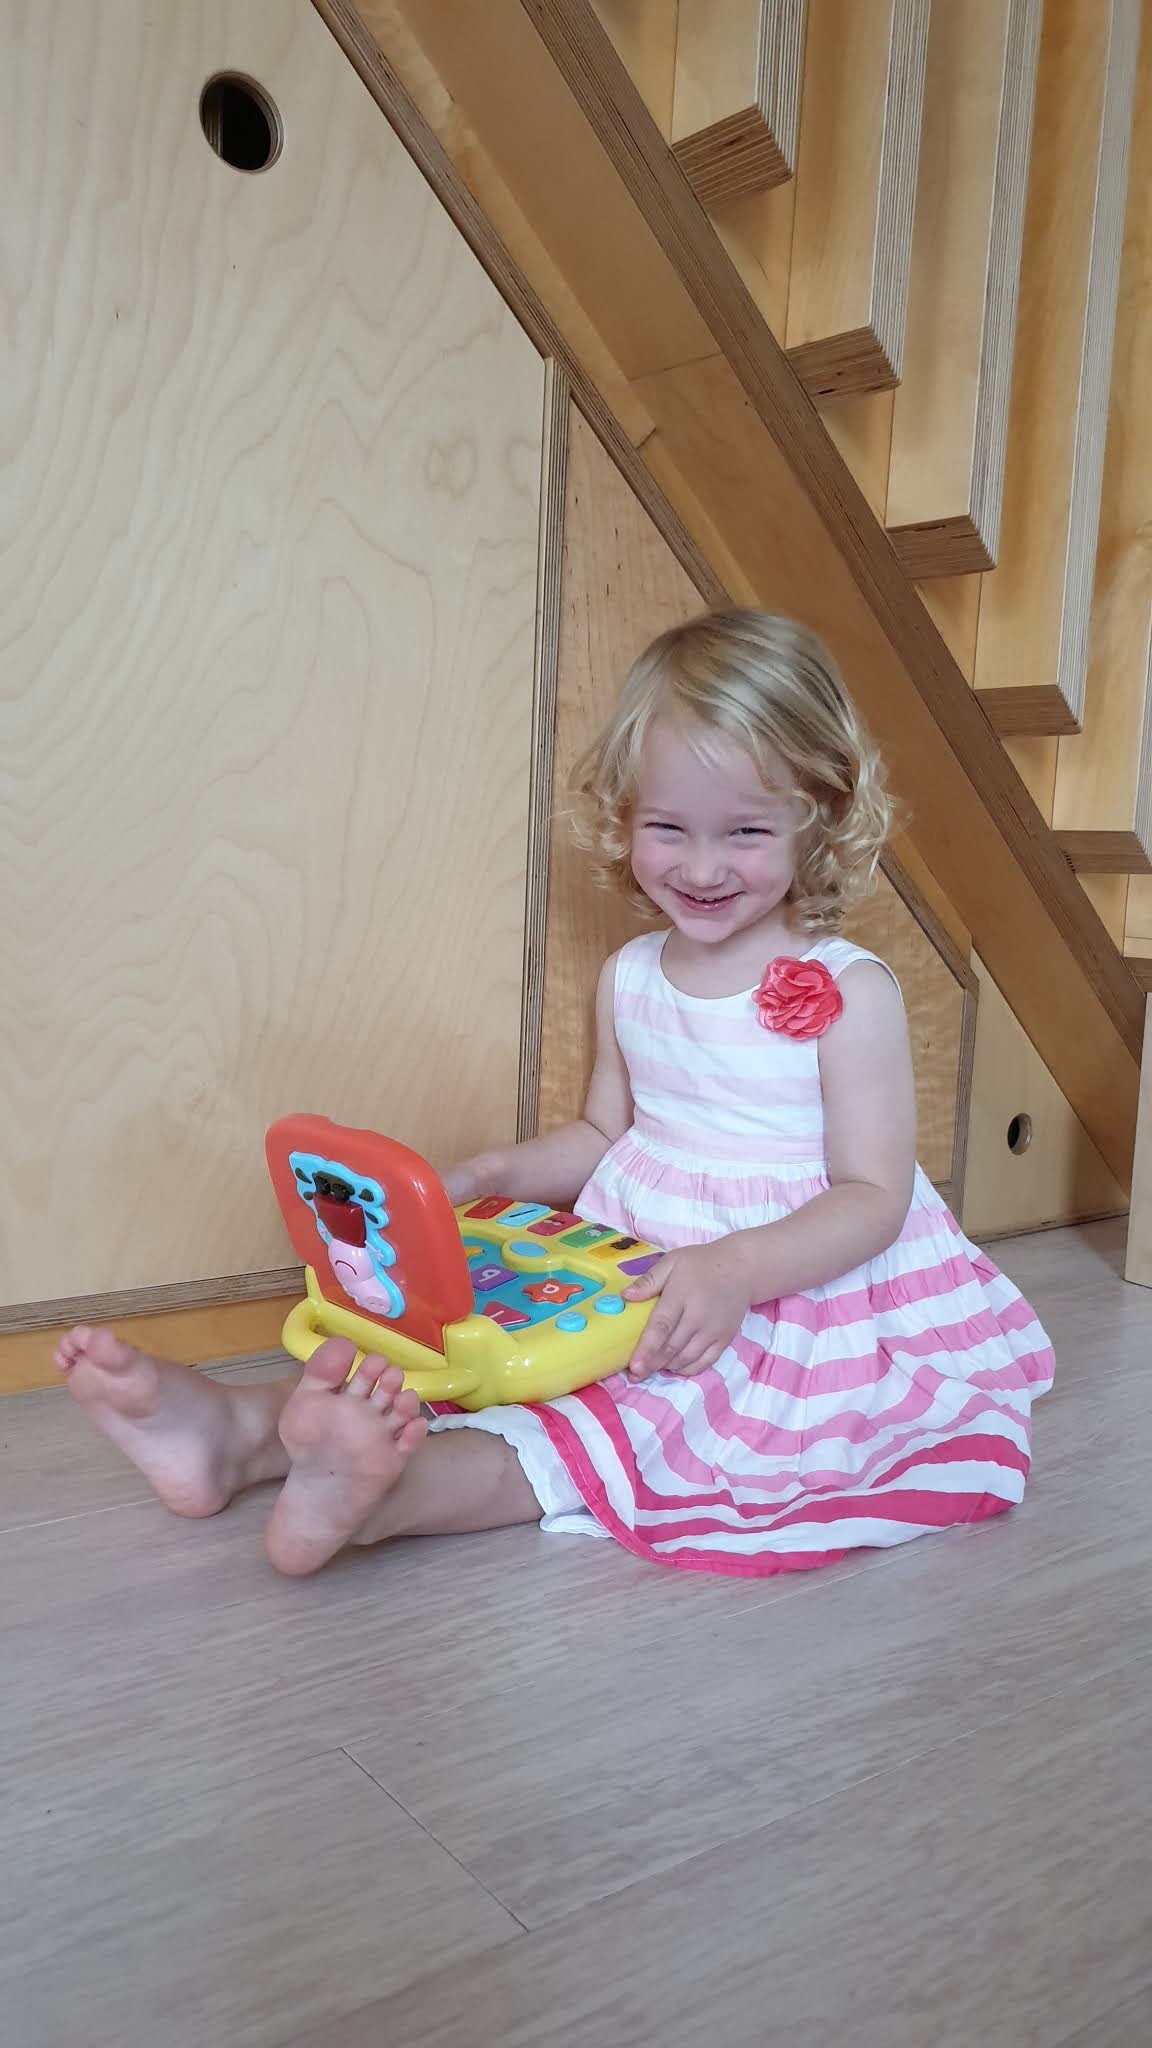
x=240, y=122
x=1020, y=1133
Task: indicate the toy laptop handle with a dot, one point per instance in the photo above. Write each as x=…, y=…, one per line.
x=429, y=1383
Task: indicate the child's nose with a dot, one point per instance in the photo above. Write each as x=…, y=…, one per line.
x=703, y=867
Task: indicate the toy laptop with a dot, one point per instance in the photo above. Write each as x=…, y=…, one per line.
x=495, y=1301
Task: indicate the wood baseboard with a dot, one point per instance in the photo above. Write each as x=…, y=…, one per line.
x=204, y=1332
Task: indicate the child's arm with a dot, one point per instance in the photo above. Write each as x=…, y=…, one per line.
x=555, y=1167
x=870, y=1136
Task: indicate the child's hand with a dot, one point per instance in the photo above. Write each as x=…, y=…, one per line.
x=704, y=1298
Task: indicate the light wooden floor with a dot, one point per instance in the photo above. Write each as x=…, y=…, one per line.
x=526, y=1791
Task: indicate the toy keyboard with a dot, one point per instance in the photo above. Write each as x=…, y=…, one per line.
x=493, y=1302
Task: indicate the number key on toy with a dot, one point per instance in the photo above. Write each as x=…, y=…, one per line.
x=524, y=1213
x=485, y=1278
x=484, y=1211
x=616, y=1245
x=552, y=1225
x=583, y=1240
x=635, y=1267
x=508, y=1318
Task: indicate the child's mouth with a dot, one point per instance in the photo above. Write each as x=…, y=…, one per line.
x=706, y=906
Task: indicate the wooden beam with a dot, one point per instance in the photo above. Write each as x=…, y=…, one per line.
x=1035, y=613
x=736, y=110
x=950, y=421
x=1139, y=966
x=1104, y=778
x=741, y=454
x=855, y=192
x=1104, y=853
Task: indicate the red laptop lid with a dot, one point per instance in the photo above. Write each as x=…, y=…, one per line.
x=376, y=1224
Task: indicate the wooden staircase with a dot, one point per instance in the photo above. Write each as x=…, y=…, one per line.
x=838, y=285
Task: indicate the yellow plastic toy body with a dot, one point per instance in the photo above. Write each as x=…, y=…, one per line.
x=548, y=1314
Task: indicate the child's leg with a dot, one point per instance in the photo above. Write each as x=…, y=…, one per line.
x=197, y=1441
x=364, y=1469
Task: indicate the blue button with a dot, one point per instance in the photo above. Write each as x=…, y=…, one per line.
x=521, y=1214
x=525, y=1249
x=610, y=1305
x=571, y=1322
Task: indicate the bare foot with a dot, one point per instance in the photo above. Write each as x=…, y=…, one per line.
x=349, y=1442
x=196, y=1442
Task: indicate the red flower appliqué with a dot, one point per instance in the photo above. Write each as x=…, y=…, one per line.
x=798, y=997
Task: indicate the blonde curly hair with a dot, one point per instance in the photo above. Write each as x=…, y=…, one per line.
x=772, y=687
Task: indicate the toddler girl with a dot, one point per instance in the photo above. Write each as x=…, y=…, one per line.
x=830, y=1364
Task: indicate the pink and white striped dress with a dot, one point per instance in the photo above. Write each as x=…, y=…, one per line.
x=890, y=1402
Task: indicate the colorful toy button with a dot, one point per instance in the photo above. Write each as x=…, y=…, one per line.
x=610, y=1305
x=571, y=1322
x=521, y=1214
x=485, y=1278
x=615, y=1246
x=508, y=1318
x=490, y=1206
x=634, y=1267
x=592, y=1233
x=522, y=1249
x=552, y=1224
x=554, y=1291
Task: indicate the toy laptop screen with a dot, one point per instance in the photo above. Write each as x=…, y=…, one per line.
x=374, y=1223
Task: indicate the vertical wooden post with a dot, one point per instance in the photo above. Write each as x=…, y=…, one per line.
x=1138, y=1263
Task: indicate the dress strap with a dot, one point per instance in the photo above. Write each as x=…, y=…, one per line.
x=836, y=954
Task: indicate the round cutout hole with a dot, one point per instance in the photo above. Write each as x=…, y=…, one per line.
x=1020, y=1134
x=240, y=122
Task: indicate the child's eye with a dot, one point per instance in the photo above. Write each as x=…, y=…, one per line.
x=754, y=832
x=660, y=825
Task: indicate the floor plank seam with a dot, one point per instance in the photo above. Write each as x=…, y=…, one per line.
x=434, y=1837
x=115, y=1507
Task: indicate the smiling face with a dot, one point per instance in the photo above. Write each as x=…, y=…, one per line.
x=713, y=847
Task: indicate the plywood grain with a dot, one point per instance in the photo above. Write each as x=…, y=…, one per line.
x=856, y=185
x=736, y=108
x=950, y=423
x=1034, y=618
x=1104, y=777
x=267, y=592
x=1060, y=1176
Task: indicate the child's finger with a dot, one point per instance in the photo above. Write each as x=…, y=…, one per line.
x=701, y=1361
x=656, y=1343
x=652, y=1282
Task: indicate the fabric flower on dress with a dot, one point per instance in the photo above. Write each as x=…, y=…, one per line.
x=798, y=997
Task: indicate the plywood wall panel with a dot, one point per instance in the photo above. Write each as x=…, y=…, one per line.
x=1057, y=1176
x=267, y=590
